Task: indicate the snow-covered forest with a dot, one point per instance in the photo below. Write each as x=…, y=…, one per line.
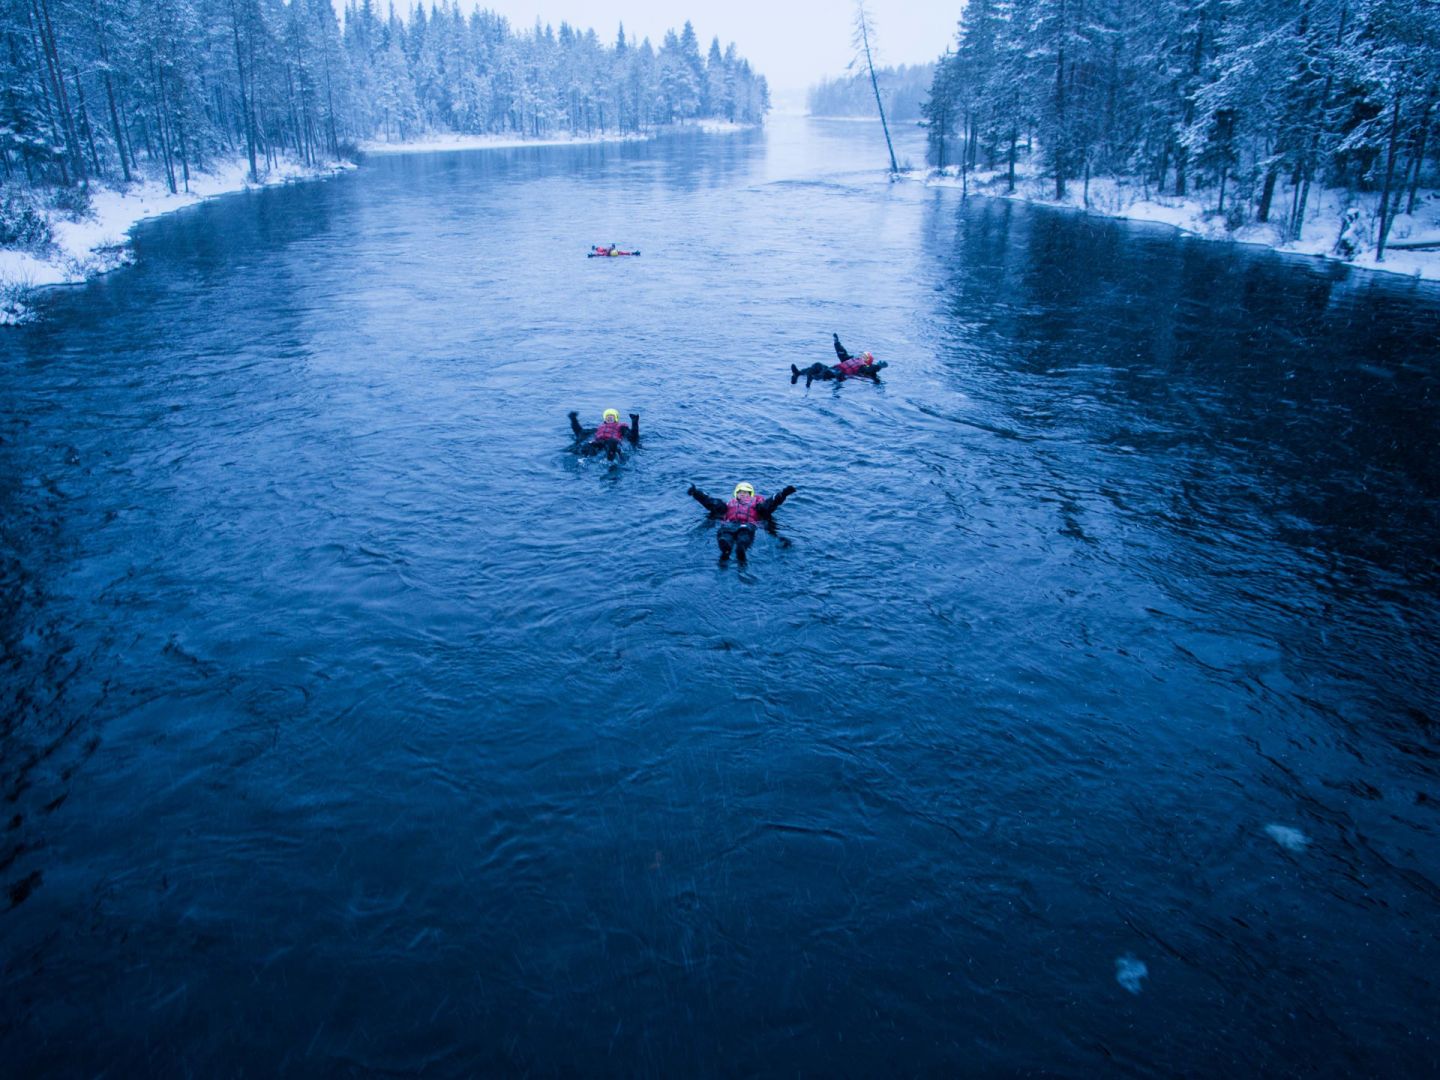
x=902, y=88
x=1253, y=102
x=114, y=89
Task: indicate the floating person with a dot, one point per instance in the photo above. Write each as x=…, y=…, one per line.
x=600, y=251
x=739, y=516
x=608, y=438
x=849, y=367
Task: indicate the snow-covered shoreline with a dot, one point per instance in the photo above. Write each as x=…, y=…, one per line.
x=100, y=241
x=1197, y=216
x=434, y=144
x=447, y=143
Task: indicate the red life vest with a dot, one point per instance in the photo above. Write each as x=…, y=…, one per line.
x=741, y=509
x=610, y=429
x=852, y=366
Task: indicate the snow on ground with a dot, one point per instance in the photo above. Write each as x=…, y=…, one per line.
x=99, y=242
x=437, y=143
x=1197, y=214
x=722, y=127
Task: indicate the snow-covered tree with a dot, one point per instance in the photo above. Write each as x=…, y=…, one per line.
x=116, y=88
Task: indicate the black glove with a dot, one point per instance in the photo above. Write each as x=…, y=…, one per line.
x=573, y=415
x=635, y=416
x=789, y=490
x=692, y=490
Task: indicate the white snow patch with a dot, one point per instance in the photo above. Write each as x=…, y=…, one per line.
x=722, y=127
x=1129, y=971
x=440, y=143
x=1324, y=215
x=431, y=144
x=99, y=242
x=1289, y=838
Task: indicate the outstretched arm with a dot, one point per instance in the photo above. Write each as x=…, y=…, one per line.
x=580, y=432
x=770, y=505
x=840, y=349
x=713, y=506
x=634, y=429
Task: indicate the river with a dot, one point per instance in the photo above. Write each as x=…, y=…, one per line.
x=351, y=725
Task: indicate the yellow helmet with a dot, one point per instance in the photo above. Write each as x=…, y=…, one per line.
x=745, y=489
x=868, y=357
x=612, y=414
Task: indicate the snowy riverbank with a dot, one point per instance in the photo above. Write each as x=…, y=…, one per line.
x=97, y=241
x=1197, y=215
x=437, y=143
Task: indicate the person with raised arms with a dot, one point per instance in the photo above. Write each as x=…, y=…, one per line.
x=739, y=516
x=608, y=438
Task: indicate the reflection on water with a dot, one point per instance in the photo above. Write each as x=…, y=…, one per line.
x=1079, y=712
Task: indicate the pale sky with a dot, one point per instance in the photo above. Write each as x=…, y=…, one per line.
x=793, y=43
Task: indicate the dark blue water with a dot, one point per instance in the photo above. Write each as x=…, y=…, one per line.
x=351, y=726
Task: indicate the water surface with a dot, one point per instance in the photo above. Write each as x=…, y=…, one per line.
x=351, y=725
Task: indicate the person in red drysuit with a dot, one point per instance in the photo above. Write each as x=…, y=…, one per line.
x=739, y=516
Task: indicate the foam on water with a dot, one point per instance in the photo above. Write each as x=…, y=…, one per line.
x=1129, y=971
x=1291, y=839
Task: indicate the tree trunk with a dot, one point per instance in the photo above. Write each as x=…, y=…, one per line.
x=1420, y=152
x=1302, y=197
x=1060, y=123
x=150, y=154
x=246, y=103
x=294, y=113
x=45, y=95
x=57, y=77
x=1267, y=195
x=1386, y=217
x=85, y=124
x=875, y=86
x=115, y=127
x=1308, y=162
x=163, y=126
x=329, y=90
x=184, y=147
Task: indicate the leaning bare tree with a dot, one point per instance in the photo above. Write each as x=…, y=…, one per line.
x=864, y=33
